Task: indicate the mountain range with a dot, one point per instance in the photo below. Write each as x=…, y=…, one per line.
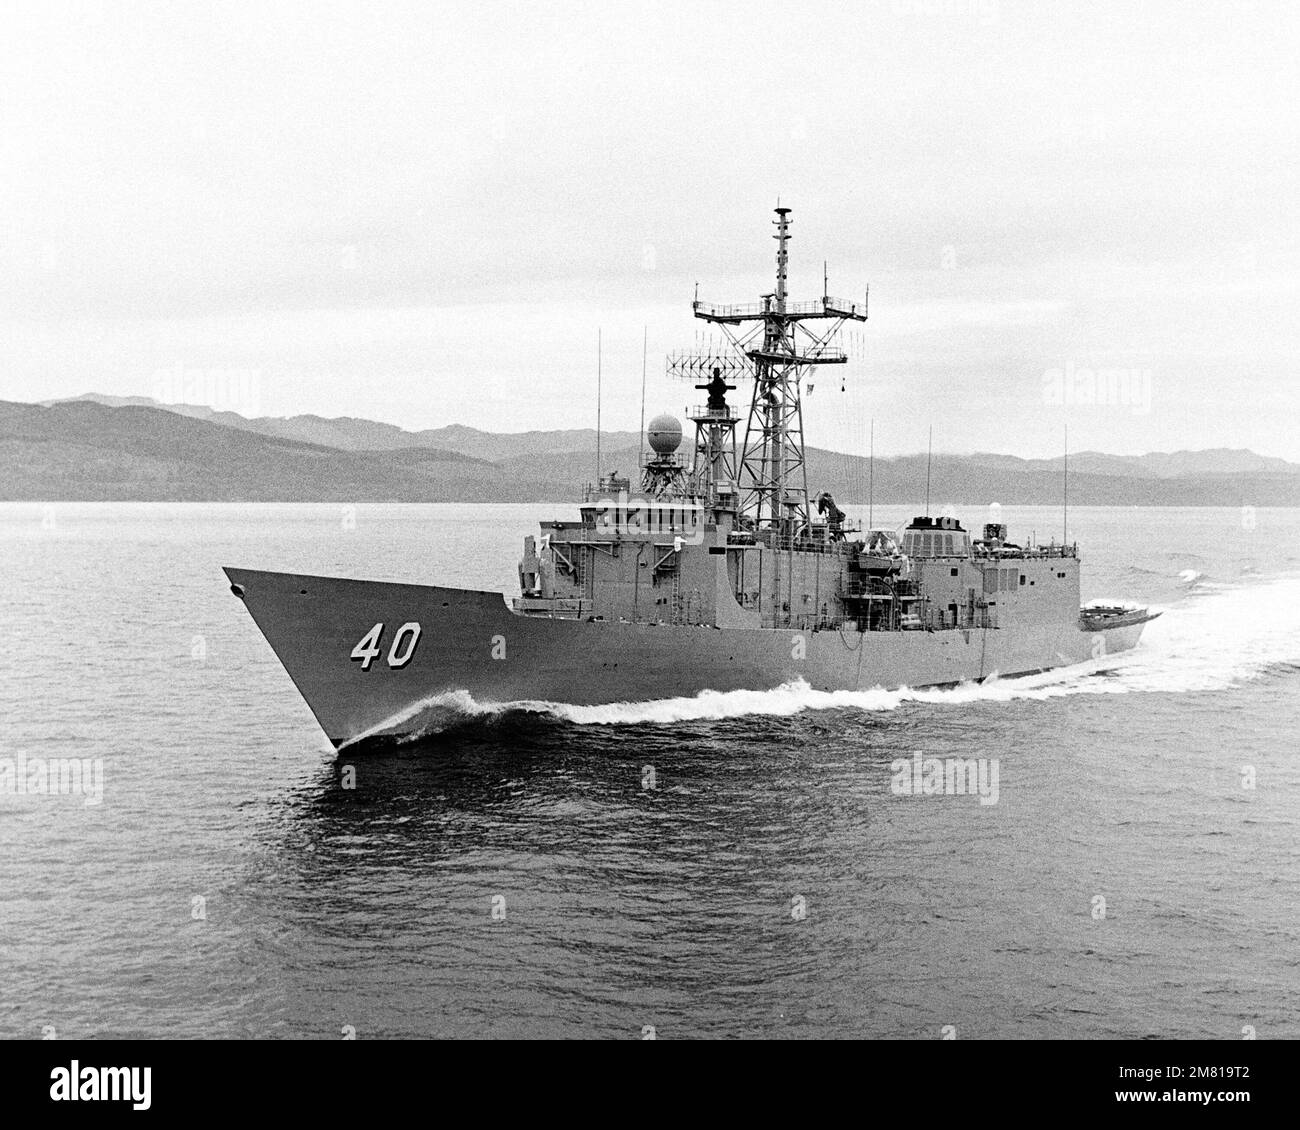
x=110, y=448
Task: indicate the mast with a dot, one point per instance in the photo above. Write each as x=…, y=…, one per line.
x=781, y=350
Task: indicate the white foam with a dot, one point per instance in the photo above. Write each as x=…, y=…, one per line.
x=1218, y=637
x=447, y=706
x=1212, y=641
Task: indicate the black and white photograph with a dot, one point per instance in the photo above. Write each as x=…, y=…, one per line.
x=650, y=521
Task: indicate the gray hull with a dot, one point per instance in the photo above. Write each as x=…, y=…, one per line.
x=474, y=642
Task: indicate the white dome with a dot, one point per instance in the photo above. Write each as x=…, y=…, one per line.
x=665, y=434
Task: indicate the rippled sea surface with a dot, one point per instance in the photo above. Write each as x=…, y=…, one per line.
x=735, y=865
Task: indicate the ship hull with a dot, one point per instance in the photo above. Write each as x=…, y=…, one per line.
x=472, y=641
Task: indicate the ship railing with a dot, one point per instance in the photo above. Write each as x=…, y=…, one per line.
x=819, y=307
x=702, y=412
x=613, y=536
x=849, y=309
x=718, y=310
x=807, y=544
x=823, y=356
x=608, y=487
x=856, y=590
x=1028, y=553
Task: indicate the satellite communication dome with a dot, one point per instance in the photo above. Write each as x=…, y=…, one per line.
x=665, y=434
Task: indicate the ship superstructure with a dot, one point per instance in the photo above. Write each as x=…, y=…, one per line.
x=731, y=538
x=715, y=570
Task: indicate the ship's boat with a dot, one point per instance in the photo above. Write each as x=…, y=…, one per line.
x=1099, y=617
x=716, y=571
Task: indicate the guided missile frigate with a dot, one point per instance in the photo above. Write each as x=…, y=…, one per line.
x=718, y=571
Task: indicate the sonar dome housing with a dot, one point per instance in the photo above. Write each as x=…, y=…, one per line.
x=664, y=434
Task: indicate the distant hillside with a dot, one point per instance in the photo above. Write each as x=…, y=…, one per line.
x=84, y=450
x=1156, y=465
x=351, y=434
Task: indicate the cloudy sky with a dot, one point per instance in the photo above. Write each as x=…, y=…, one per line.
x=1068, y=213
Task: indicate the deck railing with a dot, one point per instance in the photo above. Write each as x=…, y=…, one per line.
x=818, y=306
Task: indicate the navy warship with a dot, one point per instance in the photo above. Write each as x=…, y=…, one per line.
x=717, y=571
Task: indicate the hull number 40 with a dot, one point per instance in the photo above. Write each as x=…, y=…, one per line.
x=399, y=653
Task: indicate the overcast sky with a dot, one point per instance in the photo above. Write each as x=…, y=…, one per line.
x=423, y=213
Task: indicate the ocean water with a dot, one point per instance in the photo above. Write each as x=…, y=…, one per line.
x=735, y=865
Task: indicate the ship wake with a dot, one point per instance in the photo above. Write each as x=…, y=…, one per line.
x=1219, y=638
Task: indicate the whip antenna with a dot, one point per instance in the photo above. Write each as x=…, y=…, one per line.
x=645, y=342
x=929, y=447
x=598, y=343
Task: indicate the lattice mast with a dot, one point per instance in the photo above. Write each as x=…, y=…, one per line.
x=781, y=350
x=713, y=475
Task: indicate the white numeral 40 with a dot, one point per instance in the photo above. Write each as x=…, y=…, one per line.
x=408, y=635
